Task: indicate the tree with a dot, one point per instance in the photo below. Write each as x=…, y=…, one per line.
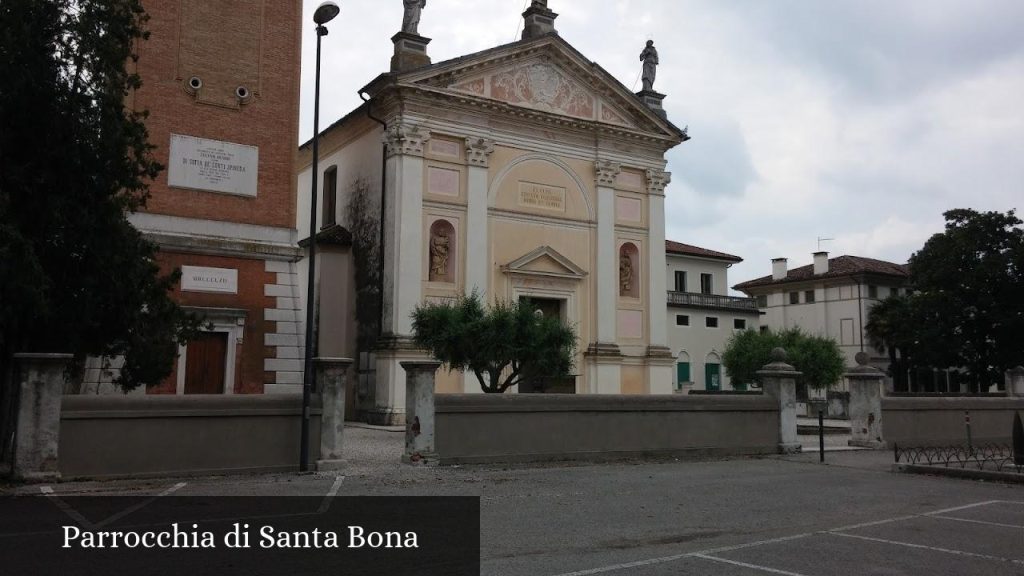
x=969, y=309
x=892, y=328
x=503, y=345
x=817, y=358
x=75, y=275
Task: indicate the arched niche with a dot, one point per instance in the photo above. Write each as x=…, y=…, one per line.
x=629, y=270
x=442, y=252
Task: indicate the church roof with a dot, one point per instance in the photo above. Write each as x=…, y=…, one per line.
x=578, y=87
x=838, y=267
x=690, y=250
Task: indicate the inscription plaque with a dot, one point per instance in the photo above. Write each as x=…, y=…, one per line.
x=542, y=196
x=213, y=165
x=205, y=279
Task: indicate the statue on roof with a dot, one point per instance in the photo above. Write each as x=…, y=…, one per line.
x=411, y=19
x=650, y=59
x=539, y=4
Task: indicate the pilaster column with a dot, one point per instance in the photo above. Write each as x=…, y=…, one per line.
x=419, y=423
x=330, y=382
x=604, y=360
x=403, y=265
x=659, y=356
x=478, y=261
x=41, y=383
x=865, y=403
x=778, y=380
x=478, y=269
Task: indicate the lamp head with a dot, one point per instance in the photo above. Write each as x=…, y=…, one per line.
x=325, y=13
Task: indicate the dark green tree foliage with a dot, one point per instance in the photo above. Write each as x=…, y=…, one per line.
x=75, y=276
x=968, y=307
x=503, y=345
x=969, y=303
x=818, y=358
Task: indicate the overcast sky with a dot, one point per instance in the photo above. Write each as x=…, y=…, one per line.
x=860, y=121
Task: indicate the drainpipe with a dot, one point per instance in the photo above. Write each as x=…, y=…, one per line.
x=383, y=200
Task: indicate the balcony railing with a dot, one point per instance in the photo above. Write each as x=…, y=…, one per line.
x=712, y=301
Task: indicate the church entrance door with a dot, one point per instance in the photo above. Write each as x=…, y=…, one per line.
x=550, y=308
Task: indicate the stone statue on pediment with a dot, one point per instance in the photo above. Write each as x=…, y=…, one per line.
x=649, y=57
x=411, y=18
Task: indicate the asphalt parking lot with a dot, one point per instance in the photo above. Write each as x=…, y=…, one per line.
x=777, y=515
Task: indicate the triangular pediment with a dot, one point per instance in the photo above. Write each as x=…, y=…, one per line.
x=544, y=75
x=544, y=261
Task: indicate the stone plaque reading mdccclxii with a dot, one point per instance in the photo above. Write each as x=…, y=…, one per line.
x=213, y=165
x=205, y=279
x=541, y=196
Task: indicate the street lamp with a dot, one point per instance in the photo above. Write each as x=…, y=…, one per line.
x=324, y=14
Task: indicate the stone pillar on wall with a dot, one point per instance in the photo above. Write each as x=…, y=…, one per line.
x=419, y=412
x=40, y=386
x=603, y=357
x=659, y=357
x=779, y=382
x=1015, y=381
x=403, y=266
x=865, y=403
x=478, y=262
x=331, y=380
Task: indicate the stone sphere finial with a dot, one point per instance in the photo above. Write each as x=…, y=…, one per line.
x=778, y=354
x=861, y=358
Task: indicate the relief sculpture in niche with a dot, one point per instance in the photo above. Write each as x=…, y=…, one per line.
x=625, y=275
x=628, y=282
x=442, y=245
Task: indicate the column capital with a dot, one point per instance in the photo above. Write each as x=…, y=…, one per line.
x=605, y=172
x=657, y=180
x=404, y=138
x=478, y=151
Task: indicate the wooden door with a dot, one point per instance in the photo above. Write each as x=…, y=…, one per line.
x=205, y=359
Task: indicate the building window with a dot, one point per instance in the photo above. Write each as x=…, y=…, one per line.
x=705, y=284
x=680, y=280
x=330, y=201
x=739, y=323
x=763, y=329
x=711, y=322
x=872, y=291
x=682, y=320
x=794, y=297
x=809, y=296
x=762, y=301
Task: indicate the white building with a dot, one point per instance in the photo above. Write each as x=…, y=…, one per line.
x=830, y=297
x=701, y=317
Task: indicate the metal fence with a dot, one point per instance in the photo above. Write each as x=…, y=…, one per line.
x=998, y=457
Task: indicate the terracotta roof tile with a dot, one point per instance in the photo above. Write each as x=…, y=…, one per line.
x=690, y=250
x=838, y=267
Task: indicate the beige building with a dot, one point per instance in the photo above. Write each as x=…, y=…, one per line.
x=830, y=297
x=702, y=317
x=522, y=171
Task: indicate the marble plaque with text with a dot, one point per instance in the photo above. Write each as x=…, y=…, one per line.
x=213, y=165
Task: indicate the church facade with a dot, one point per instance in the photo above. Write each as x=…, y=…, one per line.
x=524, y=171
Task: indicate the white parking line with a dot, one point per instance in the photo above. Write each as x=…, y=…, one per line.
x=329, y=497
x=745, y=565
x=926, y=547
x=142, y=504
x=973, y=521
x=835, y=531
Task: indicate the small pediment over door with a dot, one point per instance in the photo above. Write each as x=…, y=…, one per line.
x=544, y=261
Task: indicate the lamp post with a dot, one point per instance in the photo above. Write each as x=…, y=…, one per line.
x=324, y=14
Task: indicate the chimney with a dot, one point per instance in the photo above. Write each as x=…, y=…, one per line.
x=779, y=268
x=820, y=263
x=538, y=20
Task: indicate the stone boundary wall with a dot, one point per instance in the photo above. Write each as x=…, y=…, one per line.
x=933, y=421
x=480, y=428
x=143, y=436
